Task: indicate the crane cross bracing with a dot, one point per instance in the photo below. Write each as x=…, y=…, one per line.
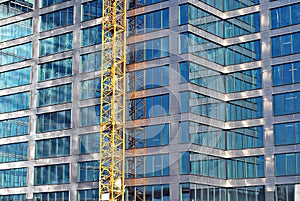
x=112, y=101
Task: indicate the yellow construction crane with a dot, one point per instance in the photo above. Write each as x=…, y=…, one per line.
x=112, y=101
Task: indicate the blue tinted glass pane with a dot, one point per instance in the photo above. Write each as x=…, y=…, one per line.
x=295, y=14
x=296, y=42
x=285, y=16
x=276, y=49
x=275, y=18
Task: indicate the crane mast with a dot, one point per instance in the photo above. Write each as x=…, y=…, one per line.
x=112, y=101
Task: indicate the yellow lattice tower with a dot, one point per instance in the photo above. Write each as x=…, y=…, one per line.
x=112, y=101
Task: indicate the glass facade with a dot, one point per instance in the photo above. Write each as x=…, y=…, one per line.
x=13, y=7
x=147, y=166
x=57, y=19
x=15, y=78
x=287, y=164
x=226, y=83
x=285, y=16
x=56, y=44
x=148, y=78
x=46, y=3
x=147, y=136
x=287, y=133
x=16, y=53
x=87, y=195
x=212, y=100
x=14, y=197
x=54, y=121
x=55, y=95
x=16, y=30
x=52, y=174
x=192, y=191
x=90, y=62
x=287, y=103
x=89, y=143
x=206, y=135
x=55, y=69
x=284, y=74
x=232, y=27
x=148, y=22
x=228, y=55
x=150, y=192
x=10, y=178
x=14, y=127
x=285, y=44
x=88, y=171
x=91, y=10
x=90, y=89
x=15, y=102
x=14, y=152
x=53, y=196
x=148, y=107
x=211, y=166
x=148, y=50
x=285, y=192
x=91, y=36
x=55, y=147
x=228, y=5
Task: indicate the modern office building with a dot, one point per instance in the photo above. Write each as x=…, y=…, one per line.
x=213, y=102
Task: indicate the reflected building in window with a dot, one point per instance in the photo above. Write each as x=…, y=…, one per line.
x=212, y=108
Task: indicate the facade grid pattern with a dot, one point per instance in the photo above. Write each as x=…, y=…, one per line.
x=213, y=100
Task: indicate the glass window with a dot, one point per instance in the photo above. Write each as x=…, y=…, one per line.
x=232, y=27
x=14, y=152
x=91, y=36
x=148, y=107
x=16, y=53
x=57, y=19
x=228, y=5
x=148, y=136
x=55, y=147
x=285, y=44
x=88, y=195
x=285, y=16
x=13, y=7
x=54, y=121
x=234, y=54
x=15, y=102
x=51, y=174
x=88, y=171
x=15, y=78
x=14, y=127
x=90, y=62
x=287, y=164
x=140, y=3
x=55, y=95
x=148, y=78
x=56, y=44
x=286, y=103
x=46, y=3
x=90, y=89
x=13, y=178
x=148, y=22
x=15, y=30
x=90, y=115
x=91, y=10
x=53, y=196
x=148, y=50
x=13, y=197
x=55, y=69
x=89, y=143
x=154, y=192
x=155, y=165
